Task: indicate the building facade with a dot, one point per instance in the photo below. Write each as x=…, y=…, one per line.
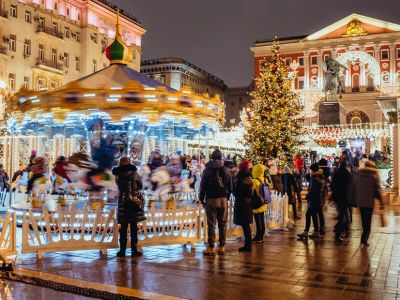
x=178, y=73
x=367, y=47
x=47, y=43
x=236, y=100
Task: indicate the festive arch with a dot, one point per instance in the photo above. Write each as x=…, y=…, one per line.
x=366, y=59
x=359, y=115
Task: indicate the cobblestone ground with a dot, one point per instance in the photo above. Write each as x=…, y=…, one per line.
x=280, y=268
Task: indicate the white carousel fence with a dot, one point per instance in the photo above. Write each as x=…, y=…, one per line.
x=8, y=236
x=170, y=225
x=69, y=230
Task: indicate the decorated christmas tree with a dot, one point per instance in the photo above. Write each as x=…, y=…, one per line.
x=273, y=123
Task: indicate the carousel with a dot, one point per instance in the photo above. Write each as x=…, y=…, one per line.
x=141, y=114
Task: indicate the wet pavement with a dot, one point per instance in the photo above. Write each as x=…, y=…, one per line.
x=280, y=268
x=11, y=290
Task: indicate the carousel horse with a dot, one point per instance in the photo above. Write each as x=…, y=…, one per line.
x=78, y=168
x=22, y=182
x=162, y=180
x=145, y=175
x=185, y=183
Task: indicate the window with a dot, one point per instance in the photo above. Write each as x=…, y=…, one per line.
x=384, y=54
x=67, y=11
x=13, y=43
x=326, y=56
x=77, y=37
x=28, y=16
x=55, y=27
x=55, y=5
x=398, y=53
x=53, y=85
x=66, y=32
x=66, y=59
x=26, y=83
x=94, y=65
x=301, y=83
x=42, y=22
x=240, y=101
x=301, y=61
x=95, y=37
x=54, y=55
x=27, y=48
x=232, y=121
x=41, y=84
x=77, y=63
x=11, y=82
x=314, y=60
x=41, y=52
x=288, y=61
x=13, y=10
x=371, y=53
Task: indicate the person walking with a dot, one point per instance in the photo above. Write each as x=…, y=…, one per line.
x=299, y=180
x=323, y=165
x=215, y=189
x=314, y=200
x=340, y=187
x=290, y=189
x=365, y=188
x=258, y=179
x=243, y=213
x=273, y=170
x=130, y=210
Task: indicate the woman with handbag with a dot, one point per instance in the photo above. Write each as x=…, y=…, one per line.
x=290, y=188
x=258, y=211
x=130, y=204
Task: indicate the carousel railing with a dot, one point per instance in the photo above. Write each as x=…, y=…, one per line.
x=69, y=230
x=8, y=236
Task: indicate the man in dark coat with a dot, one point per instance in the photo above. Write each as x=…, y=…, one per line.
x=243, y=190
x=314, y=200
x=365, y=188
x=215, y=189
x=340, y=186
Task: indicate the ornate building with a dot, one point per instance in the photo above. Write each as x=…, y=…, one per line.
x=367, y=47
x=236, y=100
x=47, y=43
x=178, y=73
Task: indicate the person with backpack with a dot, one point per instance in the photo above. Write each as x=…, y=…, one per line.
x=243, y=213
x=215, y=189
x=258, y=203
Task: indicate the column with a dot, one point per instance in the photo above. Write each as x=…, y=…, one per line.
x=392, y=57
x=320, y=68
x=306, y=69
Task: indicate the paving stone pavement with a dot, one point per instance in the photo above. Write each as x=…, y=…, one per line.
x=280, y=268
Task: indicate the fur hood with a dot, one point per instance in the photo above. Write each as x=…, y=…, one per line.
x=367, y=171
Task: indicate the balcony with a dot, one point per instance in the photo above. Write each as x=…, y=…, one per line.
x=3, y=14
x=49, y=65
x=51, y=31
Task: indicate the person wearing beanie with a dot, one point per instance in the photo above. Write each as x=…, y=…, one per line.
x=215, y=190
x=314, y=200
x=243, y=212
x=258, y=179
x=290, y=189
x=365, y=188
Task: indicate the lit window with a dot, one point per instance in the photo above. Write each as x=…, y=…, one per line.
x=13, y=43
x=385, y=54
x=77, y=63
x=27, y=48
x=28, y=16
x=13, y=10
x=314, y=60
x=41, y=84
x=11, y=81
x=66, y=59
x=26, y=83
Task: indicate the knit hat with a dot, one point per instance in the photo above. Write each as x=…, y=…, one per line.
x=217, y=154
x=314, y=167
x=245, y=166
x=229, y=164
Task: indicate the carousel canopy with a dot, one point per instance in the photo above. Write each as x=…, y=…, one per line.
x=116, y=93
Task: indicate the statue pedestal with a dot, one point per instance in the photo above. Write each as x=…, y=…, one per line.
x=329, y=113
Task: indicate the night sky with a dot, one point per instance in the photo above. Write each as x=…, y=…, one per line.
x=216, y=34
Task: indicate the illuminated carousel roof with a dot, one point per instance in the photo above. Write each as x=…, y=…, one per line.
x=117, y=93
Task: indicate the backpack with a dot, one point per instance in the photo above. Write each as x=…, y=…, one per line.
x=216, y=184
x=264, y=192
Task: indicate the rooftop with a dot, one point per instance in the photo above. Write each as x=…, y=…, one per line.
x=178, y=60
x=121, y=11
x=283, y=40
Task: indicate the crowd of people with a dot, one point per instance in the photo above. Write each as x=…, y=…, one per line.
x=348, y=181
